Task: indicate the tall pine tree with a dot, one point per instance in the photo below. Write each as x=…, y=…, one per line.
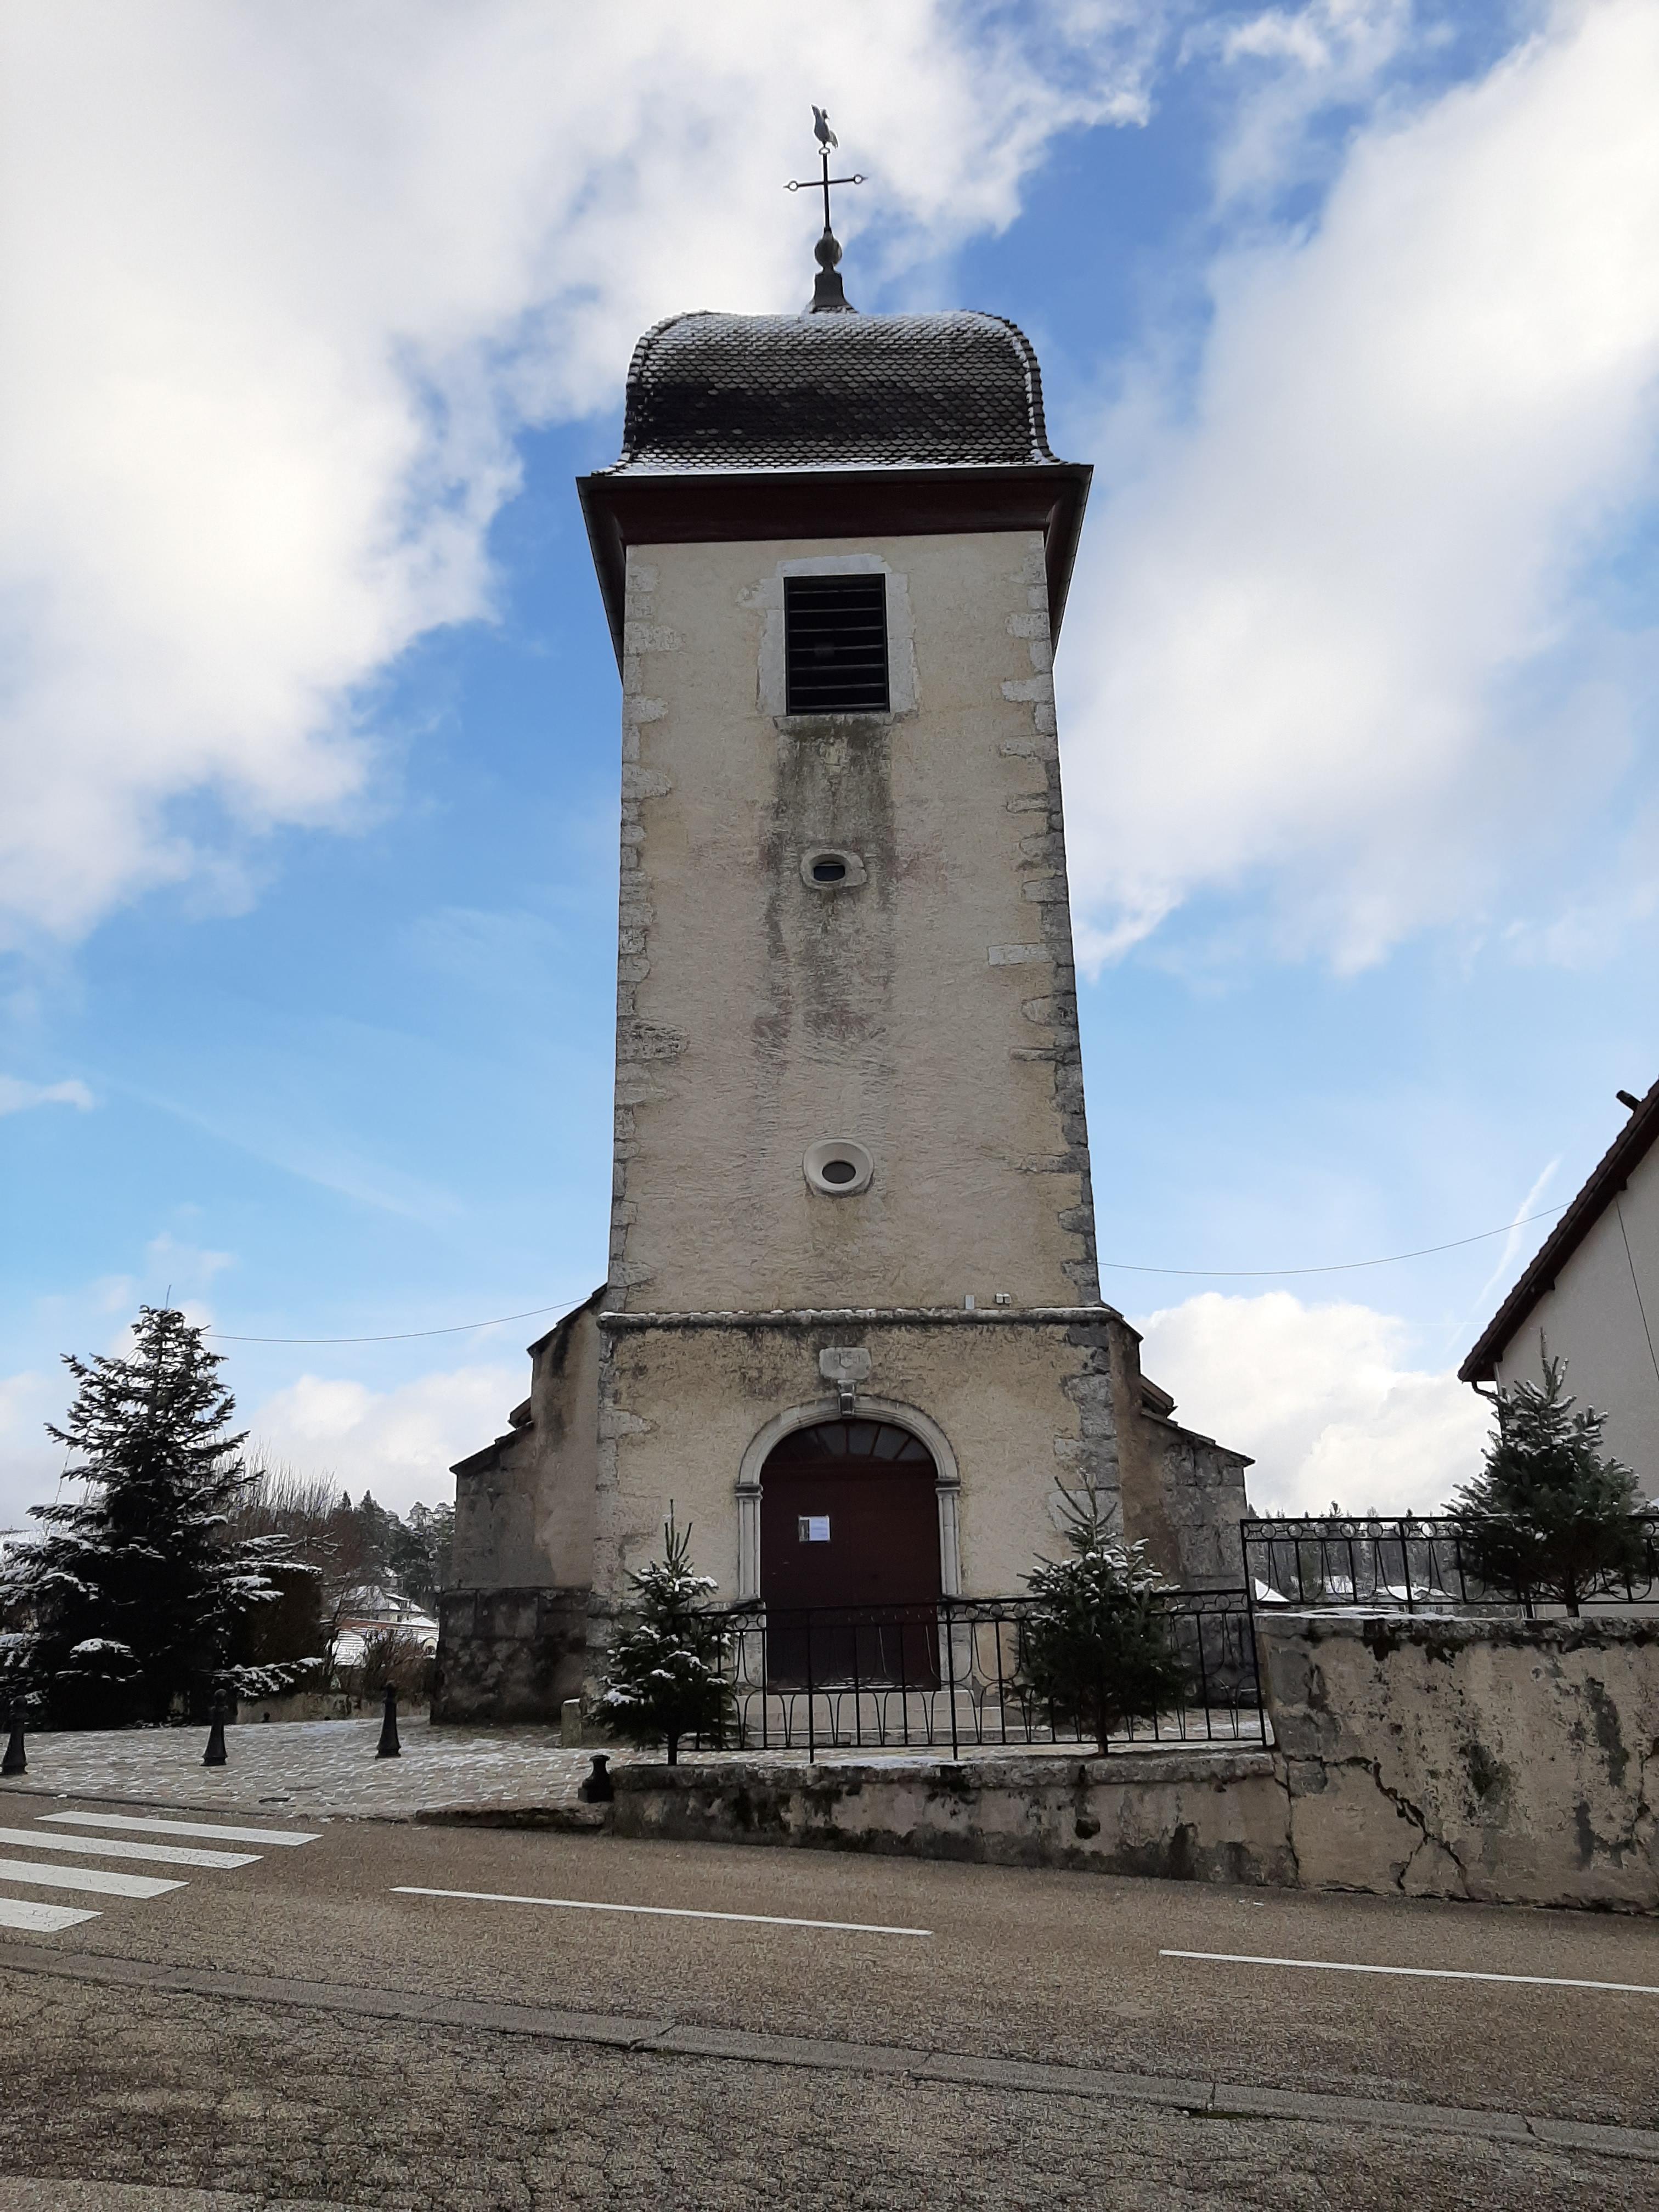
x=1551, y=1515
x=131, y=1595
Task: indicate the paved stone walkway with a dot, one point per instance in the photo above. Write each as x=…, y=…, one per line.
x=300, y=1767
x=295, y=1768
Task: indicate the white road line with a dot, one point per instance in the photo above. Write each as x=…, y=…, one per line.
x=1418, y=1973
x=109, y=1847
x=180, y=1828
x=42, y=1919
x=98, y=1878
x=658, y=1912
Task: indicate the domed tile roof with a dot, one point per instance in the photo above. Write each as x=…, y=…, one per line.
x=730, y=392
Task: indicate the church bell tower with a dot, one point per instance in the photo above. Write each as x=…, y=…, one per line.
x=852, y=1325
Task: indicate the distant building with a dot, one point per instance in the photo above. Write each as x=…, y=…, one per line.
x=1591, y=1298
x=372, y=1610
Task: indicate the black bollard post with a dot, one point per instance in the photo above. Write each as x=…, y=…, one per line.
x=16, y=1760
x=214, y=1753
x=599, y=1788
x=390, y=1747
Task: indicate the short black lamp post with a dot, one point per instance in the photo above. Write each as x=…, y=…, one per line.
x=389, y=1746
x=214, y=1753
x=599, y=1788
x=15, y=1760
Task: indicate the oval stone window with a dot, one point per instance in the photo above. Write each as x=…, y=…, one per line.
x=837, y=1168
x=829, y=868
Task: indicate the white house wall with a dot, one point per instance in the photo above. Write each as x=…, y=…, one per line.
x=1594, y=1319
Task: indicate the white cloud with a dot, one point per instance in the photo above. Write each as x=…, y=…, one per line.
x=1323, y=1400
x=16, y=1095
x=1336, y=623
x=183, y=1266
x=1525, y=1217
x=399, y=1443
x=29, y=1460
x=1296, y=64
x=284, y=282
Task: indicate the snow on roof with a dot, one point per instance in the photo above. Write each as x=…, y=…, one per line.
x=377, y=1605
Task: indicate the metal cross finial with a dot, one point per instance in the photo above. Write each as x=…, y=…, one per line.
x=828, y=297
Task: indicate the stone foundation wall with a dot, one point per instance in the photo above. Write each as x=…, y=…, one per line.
x=1188, y=1817
x=509, y=1655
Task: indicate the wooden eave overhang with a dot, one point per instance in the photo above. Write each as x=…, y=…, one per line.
x=1608, y=1176
x=705, y=507
x=485, y=1461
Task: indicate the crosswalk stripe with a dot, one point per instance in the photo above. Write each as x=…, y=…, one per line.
x=39, y=1920
x=110, y=1847
x=289, y=1836
x=97, y=1878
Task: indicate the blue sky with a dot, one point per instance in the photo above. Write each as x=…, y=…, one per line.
x=310, y=755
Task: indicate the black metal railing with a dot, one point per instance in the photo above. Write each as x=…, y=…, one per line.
x=952, y=1672
x=1409, y=1564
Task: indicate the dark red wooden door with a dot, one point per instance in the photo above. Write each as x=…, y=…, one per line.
x=849, y=1519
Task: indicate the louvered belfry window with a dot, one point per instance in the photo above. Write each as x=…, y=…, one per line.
x=836, y=644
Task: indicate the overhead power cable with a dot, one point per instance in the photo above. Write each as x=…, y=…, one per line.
x=1343, y=1266
x=402, y=1335
x=1125, y=1266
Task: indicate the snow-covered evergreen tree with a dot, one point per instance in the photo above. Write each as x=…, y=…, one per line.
x=1551, y=1515
x=1095, y=1647
x=666, y=1679
x=131, y=1596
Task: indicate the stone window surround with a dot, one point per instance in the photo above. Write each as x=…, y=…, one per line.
x=771, y=689
x=856, y=872
x=819, y=1156
x=947, y=1484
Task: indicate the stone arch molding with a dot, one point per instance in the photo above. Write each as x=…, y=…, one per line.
x=947, y=1484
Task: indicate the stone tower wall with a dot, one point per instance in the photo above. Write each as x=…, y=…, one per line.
x=929, y=1013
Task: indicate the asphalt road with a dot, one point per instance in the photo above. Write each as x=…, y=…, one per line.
x=820, y=2066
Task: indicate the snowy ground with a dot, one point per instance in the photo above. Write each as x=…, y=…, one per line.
x=311, y=1766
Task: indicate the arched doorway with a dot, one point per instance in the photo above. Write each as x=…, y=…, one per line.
x=850, y=1536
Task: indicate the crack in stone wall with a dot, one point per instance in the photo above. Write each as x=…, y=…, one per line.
x=1516, y=1757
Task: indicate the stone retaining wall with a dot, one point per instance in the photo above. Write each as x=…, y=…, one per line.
x=1199, y=1816
x=1498, y=1760
x=509, y=1655
x=1505, y=1760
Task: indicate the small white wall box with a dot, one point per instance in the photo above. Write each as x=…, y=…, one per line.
x=814, y=1528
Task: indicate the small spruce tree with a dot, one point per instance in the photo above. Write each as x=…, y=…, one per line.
x=1095, y=1646
x=1550, y=1514
x=666, y=1679
x=132, y=1594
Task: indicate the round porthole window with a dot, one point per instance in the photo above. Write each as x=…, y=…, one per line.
x=828, y=868
x=837, y=1167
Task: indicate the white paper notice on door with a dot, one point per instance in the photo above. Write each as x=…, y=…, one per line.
x=814, y=1528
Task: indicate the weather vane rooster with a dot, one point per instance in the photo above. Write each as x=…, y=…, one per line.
x=827, y=296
